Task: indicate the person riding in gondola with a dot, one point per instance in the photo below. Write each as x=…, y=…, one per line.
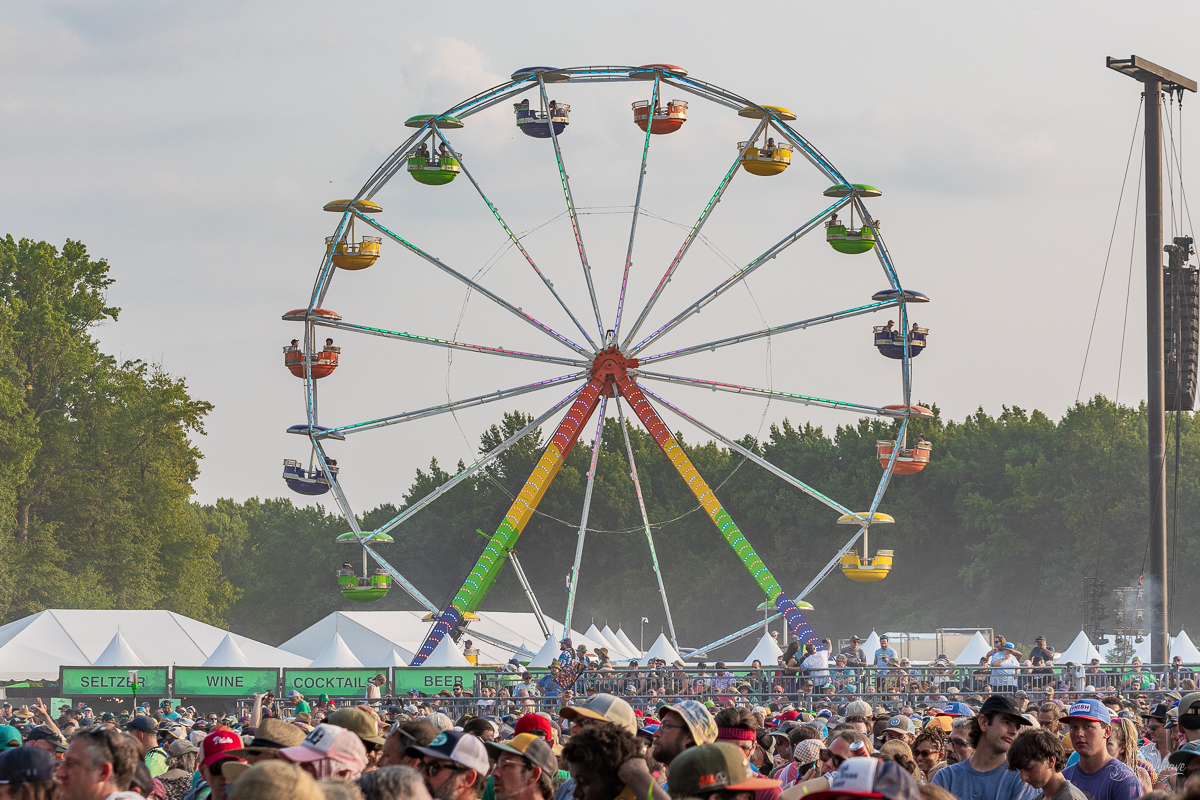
x=769, y=150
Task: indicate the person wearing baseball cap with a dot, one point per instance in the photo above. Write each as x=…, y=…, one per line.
x=535, y=724
x=713, y=770
x=145, y=732
x=869, y=777
x=900, y=728
x=27, y=766
x=215, y=751
x=329, y=752
x=455, y=765
x=525, y=768
x=1185, y=762
x=1097, y=774
x=985, y=772
x=601, y=708
x=1157, y=750
x=364, y=725
x=684, y=724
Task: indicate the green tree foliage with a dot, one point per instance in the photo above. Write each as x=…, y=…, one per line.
x=1000, y=530
x=96, y=465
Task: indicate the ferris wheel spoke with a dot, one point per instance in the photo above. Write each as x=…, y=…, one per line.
x=348, y=513
x=476, y=104
x=889, y=270
x=812, y=154
x=756, y=458
x=740, y=275
x=637, y=486
x=691, y=237
x=708, y=500
x=583, y=520
x=450, y=344
x=637, y=205
x=325, y=275
x=388, y=168
x=487, y=458
x=774, y=394
x=455, y=405
x=516, y=241
x=566, y=184
x=485, y=292
x=774, y=331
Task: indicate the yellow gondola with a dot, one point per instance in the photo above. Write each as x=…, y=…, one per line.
x=863, y=569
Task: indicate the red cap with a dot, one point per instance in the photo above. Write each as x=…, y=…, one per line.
x=790, y=715
x=533, y=723
x=217, y=744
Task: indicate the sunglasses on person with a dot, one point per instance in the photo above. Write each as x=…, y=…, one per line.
x=433, y=770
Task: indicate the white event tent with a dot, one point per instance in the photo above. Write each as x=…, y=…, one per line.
x=1081, y=651
x=33, y=648
x=976, y=648
x=372, y=636
x=766, y=652
x=663, y=649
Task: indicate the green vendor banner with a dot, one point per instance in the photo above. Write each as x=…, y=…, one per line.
x=224, y=681
x=432, y=680
x=113, y=680
x=335, y=682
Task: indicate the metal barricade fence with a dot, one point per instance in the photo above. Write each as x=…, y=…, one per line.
x=892, y=686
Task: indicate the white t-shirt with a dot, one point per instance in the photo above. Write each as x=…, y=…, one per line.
x=817, y=664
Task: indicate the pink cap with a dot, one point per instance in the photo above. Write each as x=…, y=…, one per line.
x=328, y=741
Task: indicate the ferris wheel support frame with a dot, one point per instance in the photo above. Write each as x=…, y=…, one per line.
x=625, y=385
x=597, y=446
x=637, y=206
x=517, y=242
x=637, y=487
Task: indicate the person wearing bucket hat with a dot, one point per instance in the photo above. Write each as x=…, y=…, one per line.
x=684, y=724
x=1097, y=774
x=525, y=768
x=714, y=770
x=271, y=736
x=455, y=765
x=275, y=780
x=602, y=708
x=985, y=772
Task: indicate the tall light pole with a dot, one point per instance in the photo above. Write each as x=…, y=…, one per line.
x=1155, y=80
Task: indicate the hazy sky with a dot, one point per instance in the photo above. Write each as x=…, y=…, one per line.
x=193, y=146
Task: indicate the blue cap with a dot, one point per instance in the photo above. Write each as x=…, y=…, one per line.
x=957, y=710
x=1090, y=710
x=26, y=765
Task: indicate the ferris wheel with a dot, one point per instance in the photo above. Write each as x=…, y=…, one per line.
x=615, y=358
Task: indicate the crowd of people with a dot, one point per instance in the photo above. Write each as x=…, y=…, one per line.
x=600, y=745
x=604, y=748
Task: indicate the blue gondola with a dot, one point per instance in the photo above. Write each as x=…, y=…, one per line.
x=309, y=482
x=302, y=430
x=536, y=123
x=891, y=342
x=910, y=296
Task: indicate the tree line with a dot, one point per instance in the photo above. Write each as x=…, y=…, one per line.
x=97, y=506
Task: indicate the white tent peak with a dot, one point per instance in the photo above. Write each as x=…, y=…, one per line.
x=976, y=648
x=394, y=659
x=663, y=649
x=227, y=654
x=615, y=644
x=446, y=655
x=766, y=652
x=118, y=654
x=1081, y=651
x=547, y=653
x=593, y=633
x=1182, y=646
x=629, y=645
x=870, y=646
x=336, y=654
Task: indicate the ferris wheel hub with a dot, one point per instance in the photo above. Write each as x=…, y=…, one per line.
x=611, y=366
